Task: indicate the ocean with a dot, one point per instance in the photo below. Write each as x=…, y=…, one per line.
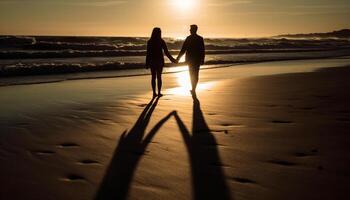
x=36, y=59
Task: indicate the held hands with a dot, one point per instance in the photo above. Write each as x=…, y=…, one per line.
x=178, y=59
x=173, y=60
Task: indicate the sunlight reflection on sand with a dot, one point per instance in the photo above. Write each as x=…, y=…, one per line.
x=184, y=82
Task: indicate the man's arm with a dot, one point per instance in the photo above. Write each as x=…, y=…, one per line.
x=202, y=51
x=183, y=51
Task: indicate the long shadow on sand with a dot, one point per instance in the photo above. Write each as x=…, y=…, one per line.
x=128, y=153
x=208, y=178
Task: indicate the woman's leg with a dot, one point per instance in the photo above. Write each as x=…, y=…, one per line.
x=159, y=80
x=153, y=81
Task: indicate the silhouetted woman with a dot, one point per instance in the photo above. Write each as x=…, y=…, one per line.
x=155, y=59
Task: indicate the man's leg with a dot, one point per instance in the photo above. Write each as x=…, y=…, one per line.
x=194, y=75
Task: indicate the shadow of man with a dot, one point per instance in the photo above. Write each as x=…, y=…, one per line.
x=129, y=151
x=208, y=178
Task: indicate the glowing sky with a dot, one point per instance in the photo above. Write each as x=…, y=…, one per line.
x=216, y=18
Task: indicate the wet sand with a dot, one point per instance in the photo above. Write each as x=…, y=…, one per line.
x=274, y=130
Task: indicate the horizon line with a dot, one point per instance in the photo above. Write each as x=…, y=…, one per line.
x=180, y=37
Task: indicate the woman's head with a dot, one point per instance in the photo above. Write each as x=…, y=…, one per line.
x=156, y=34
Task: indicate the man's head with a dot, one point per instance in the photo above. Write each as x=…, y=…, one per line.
x=193, y=29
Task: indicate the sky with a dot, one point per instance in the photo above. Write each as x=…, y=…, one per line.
x=215, y=18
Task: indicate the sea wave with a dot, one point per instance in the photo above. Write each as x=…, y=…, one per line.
x=20, y=54
x=28, y=47
x=64, y=66
x=42, y=55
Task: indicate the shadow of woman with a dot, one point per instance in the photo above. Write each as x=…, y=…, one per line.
x=129, y=151
x=208, y=178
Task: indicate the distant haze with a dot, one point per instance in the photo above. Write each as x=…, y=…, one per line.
x=216, y=18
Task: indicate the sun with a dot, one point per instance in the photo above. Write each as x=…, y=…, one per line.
x=184, y=4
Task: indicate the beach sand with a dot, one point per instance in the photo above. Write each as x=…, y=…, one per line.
x=277, y=130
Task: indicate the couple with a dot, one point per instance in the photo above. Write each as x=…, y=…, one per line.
x=193, y=47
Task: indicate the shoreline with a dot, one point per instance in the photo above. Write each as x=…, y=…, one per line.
x=13, y=80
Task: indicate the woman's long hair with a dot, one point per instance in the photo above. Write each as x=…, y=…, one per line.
x=156, y=34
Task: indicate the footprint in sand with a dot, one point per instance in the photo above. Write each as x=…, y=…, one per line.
x=68, y=145
x=313, y=152
x=242, y=180
x=74, y=178
x=307, y=108
x=270, y=105
x=20, y=124
x=282, y=162
x=43, y=152
x=293, y=99
x=220, y=131
x=88, y=162
x=281, y=121
x=232, y=125
x=301, y=154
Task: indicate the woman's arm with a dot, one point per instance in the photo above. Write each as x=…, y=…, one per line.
x=166, y=51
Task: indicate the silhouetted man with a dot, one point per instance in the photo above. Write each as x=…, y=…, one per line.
x=194, y=49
